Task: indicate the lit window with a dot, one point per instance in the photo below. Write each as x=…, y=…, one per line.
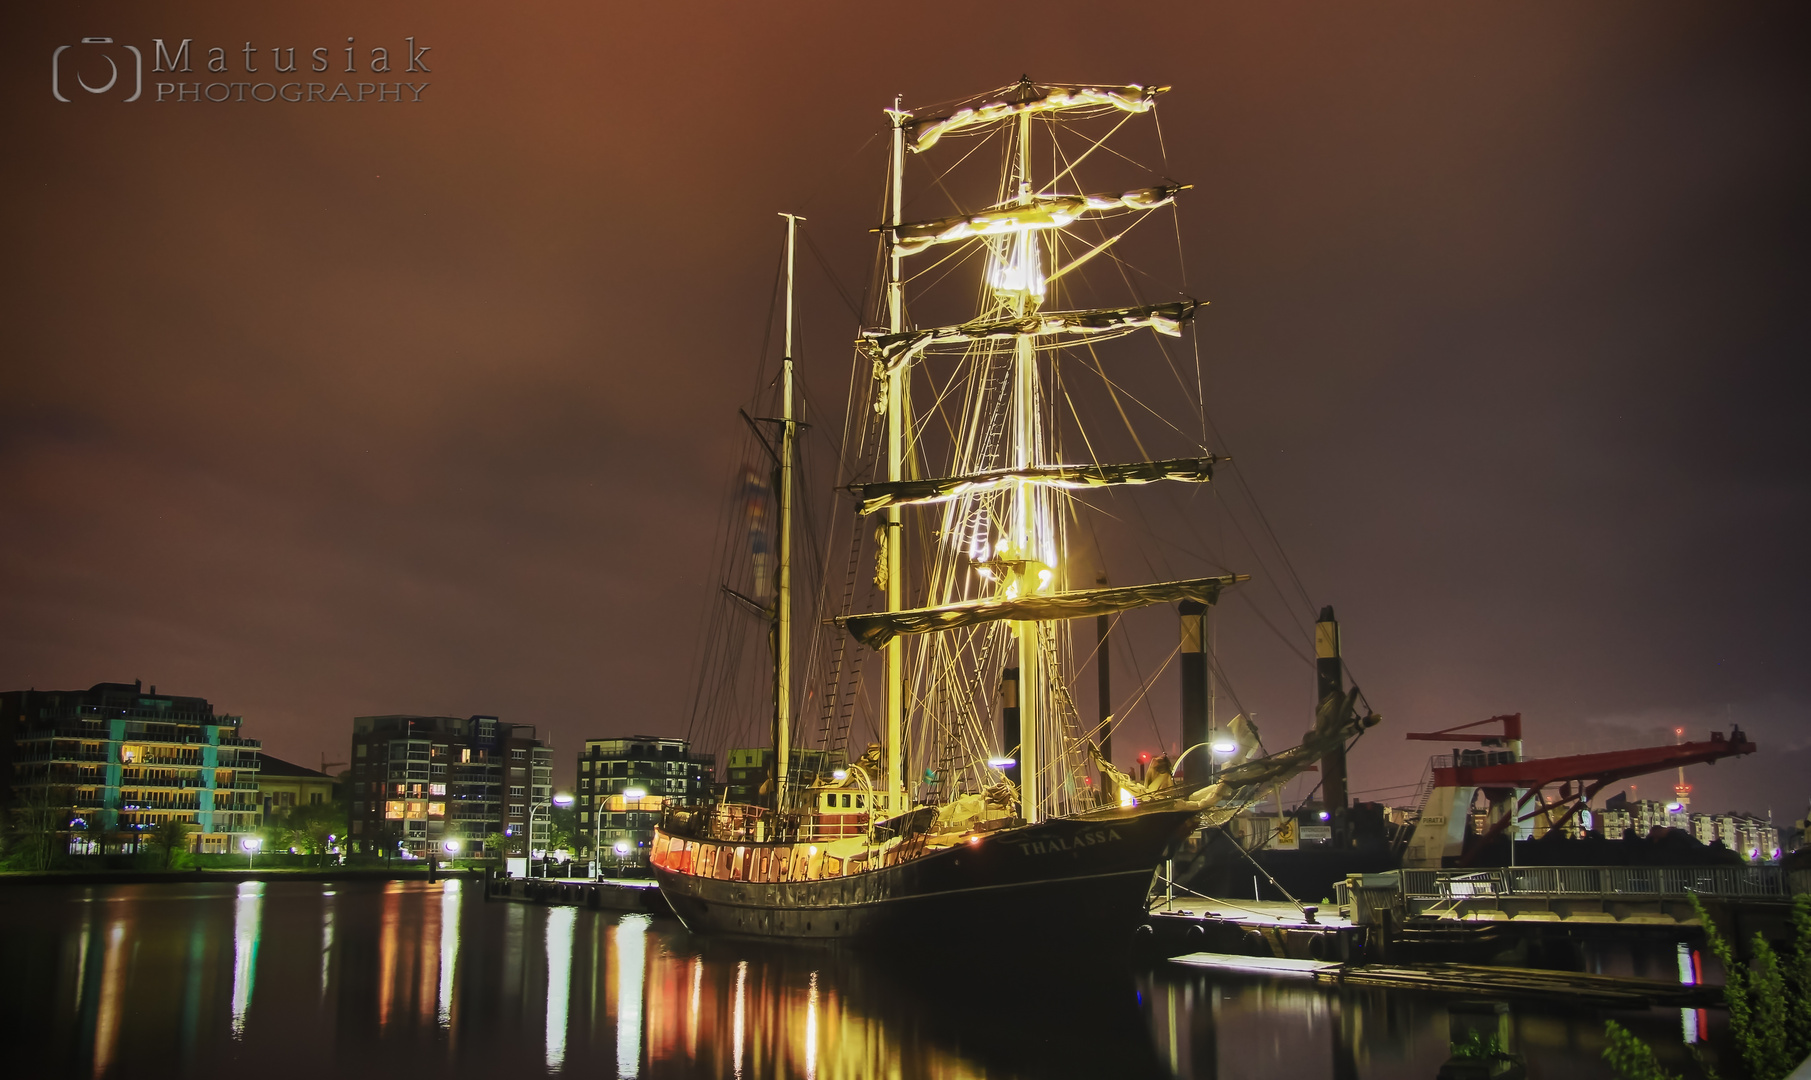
x=437, y=809
x=436, y=789
x=393, y=810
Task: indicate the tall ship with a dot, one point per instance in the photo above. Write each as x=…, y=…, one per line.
x=981, y=443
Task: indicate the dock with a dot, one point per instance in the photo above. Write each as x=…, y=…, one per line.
x=1254, y=928
x=1606, y=991
x=610, y=894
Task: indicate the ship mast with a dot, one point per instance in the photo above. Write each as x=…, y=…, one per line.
x=895, y=532
x=1024, y=534
x=782, y=668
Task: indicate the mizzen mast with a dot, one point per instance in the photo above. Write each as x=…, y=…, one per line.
x=782, y=668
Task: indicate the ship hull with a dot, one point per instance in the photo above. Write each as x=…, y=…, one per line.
x=1069, y=878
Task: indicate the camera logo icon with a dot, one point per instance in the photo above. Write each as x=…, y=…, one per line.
x=97, y=66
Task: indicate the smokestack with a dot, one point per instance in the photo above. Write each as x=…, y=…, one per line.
x=1009, y=720
x=1194, y=685
x=1331, y=677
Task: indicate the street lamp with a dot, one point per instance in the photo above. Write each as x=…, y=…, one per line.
x=251, y=845
x=452, y=848
x=561, y=801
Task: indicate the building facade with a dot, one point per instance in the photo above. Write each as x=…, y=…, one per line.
x=114, y=761
x=751, y=768
x=420, y=782
x=283, y=786
x=625, y=783
x=1753, y=838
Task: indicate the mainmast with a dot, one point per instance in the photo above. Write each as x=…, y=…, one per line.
x=895, y=532
x=1027, y=286
x=782, y=668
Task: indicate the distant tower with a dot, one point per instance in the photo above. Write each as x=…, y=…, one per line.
x=1682, y=791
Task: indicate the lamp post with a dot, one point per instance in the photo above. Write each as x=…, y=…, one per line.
x=533, y=808
x=251, y=845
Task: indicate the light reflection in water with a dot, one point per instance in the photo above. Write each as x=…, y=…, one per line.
x=559, y=981
x=811, y=1030
x=248, y=917
x=631, y=978
x=326, y=940
x=388, y=946
x=691, y=1016
x=741, y=1008
x=169, y=980
x=449, y=950
x=113, y=984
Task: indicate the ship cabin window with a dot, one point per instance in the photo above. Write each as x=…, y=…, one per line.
x=741, y=868
x=845, y=801
x=725, y=856
x=832, y=867
x=781, y=863
x=858, y=802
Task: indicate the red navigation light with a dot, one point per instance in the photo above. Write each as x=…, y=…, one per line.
x=1145, y=757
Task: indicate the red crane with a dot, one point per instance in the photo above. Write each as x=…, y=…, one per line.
x=1504, y=775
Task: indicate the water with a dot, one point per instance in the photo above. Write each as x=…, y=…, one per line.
x=404, y=979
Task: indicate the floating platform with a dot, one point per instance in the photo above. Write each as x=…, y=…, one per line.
x=1253, y=929
x=1608, y=991
x=611, y=894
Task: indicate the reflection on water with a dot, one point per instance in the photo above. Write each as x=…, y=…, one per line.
x=384, y=979
x=449, y=951
x=631, y=974
x=559, y=982
x=247, y=919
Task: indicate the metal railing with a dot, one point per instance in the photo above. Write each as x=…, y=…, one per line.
x=1541, y=882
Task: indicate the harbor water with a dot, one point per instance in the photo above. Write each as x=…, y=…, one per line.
x=361, y=979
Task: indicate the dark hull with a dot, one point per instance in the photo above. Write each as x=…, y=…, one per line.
x=1069, y=878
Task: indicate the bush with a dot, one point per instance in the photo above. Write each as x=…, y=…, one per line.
x=1769, y=1003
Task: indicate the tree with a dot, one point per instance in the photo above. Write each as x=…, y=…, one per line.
x=493, y=845
x=562, y=823
x=33, y=828
x=310, y=829
x=171, y=839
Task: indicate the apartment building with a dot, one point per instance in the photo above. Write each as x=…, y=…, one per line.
x=623, y=785
x=422, y=783
x=115, y=760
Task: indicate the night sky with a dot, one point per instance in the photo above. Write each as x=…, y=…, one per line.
x=328, y=408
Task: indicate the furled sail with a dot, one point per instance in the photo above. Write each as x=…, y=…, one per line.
x=1163, y=318
x=879, y=496
x=922, y=133
x=1042, y=212
x=876, y=630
